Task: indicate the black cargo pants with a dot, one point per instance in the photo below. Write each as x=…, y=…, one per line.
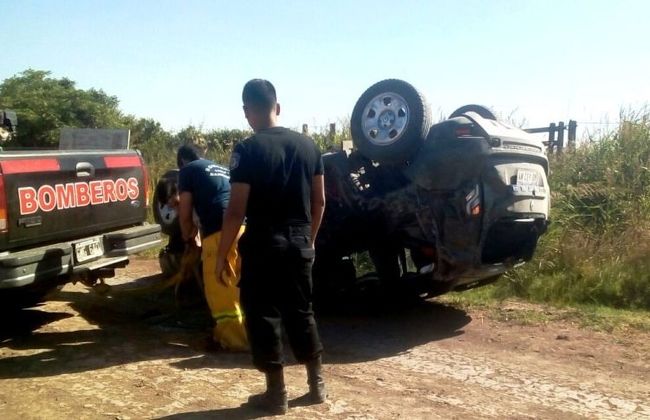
x=276, y=291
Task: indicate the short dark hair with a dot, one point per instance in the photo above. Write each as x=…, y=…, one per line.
x=259, y=94
x=188, y=152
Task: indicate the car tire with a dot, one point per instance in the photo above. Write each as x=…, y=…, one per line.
x=390, y=121
x=479, y=109
x=164, y=215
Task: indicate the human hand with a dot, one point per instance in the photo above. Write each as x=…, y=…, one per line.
x=221, y=266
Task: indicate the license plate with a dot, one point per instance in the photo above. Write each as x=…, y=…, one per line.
x=89, y=249
x=525, y=177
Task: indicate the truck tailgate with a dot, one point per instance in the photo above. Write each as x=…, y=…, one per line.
x=62, y=195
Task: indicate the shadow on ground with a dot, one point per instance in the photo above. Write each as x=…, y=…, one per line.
x=368, y=332
x=357, y=331
x=238, y=413
x=133, y=327
x=243, y=412
x=21, y=323
x=124, y=328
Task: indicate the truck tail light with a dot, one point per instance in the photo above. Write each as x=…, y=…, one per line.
x=3, y=206
x=145, y=181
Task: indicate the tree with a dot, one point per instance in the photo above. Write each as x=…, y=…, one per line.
x=45, y=104
x=146, y=131
x=156, y=145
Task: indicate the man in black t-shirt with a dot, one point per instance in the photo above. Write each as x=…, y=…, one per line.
x=277, y=183
x=204, y=188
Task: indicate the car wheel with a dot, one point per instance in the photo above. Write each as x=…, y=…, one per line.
x=163, y=214
x=479, y=109
x=390, y=121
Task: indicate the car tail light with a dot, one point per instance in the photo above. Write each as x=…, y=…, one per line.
x=473, y=201
x=3, y=206
x=145, y=181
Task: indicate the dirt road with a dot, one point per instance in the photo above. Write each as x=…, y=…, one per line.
x=141, y=355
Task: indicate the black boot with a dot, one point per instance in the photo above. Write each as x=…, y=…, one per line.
x=317, y=393
x=274, y=399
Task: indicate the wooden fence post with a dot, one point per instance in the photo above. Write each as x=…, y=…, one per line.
x=571, y=137
x=551, y=138
x=556, y=144
x=560, y=136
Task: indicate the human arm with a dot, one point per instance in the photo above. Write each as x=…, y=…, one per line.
x=232, y=220
x=317, y=205
x=188, y=228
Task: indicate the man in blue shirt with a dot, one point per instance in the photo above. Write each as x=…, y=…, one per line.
x=204, y=190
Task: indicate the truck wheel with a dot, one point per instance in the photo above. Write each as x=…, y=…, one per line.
x=25, y=297
x=163, y=214
x=390, y=121
x=479, y=109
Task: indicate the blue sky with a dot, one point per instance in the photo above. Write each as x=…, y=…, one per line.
x=185, y=62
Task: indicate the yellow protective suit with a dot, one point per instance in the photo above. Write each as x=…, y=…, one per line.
x=223, y=301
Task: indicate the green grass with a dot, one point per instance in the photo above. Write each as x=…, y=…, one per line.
x=519, y=311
